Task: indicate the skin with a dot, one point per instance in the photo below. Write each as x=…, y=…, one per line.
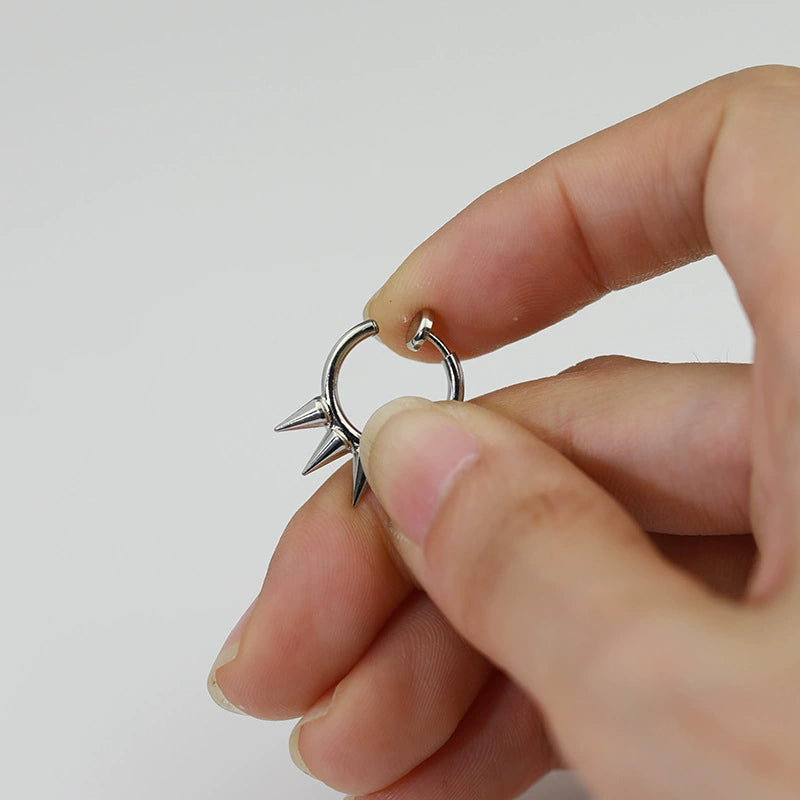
x=597, y=569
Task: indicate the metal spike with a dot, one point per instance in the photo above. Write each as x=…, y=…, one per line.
x=330, y=448
x=314, y=414
x=359, y=478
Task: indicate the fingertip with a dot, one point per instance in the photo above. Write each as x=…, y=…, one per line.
x=317, y=711
x=379, y=419
x=226, y=656
x=367, y=314
x=407, y=292
x=415, y=452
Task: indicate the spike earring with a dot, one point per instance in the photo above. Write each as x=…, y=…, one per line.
x=325, y=411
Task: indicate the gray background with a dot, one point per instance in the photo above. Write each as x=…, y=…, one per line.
x=196, y=199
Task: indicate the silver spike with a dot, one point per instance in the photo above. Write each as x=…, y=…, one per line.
x=314, y=414
x=332, y=446
x=359, y=478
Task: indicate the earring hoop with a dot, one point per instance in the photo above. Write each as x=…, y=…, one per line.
x=325, y=410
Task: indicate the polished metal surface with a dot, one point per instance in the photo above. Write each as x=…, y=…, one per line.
x=420, y=331
x=326, y=411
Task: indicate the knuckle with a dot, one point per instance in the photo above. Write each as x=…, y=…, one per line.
x=556, y=511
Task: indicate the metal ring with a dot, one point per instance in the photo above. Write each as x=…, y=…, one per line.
x=326, y=409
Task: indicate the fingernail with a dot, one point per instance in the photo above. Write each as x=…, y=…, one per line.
x=367, y=315
x=369, y=303
x=317, y=711
x=229, y=651
x=414, y=451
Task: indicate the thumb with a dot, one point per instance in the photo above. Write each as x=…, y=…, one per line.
x=533, y=563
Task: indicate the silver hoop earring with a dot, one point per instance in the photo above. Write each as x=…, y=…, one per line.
x=325, y=410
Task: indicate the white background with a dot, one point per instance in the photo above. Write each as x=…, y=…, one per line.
x=196, y=199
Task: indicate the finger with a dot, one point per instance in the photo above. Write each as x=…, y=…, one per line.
x=410, y=690
x=536, y=566
x=500, y=747
x=499, y=750
x=715, y=169
x=659, y=190
x=557, y=407
x=397, y=707
x=669, y=441
x=331, y=586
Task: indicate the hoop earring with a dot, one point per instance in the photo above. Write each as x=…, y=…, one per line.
x=325, y=410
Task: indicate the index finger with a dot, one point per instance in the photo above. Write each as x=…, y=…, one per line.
x=657, y=191
x=716, y=169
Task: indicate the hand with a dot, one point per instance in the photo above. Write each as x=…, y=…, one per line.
x=339, y=609
x=652, y=684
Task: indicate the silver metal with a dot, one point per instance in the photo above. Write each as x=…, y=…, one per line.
x=325, y=410
x=420, y=330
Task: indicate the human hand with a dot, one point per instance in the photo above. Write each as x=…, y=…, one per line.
x=652, y=685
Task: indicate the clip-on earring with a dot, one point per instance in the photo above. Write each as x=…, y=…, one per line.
x=325, y=411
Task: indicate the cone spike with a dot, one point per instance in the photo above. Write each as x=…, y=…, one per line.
x=330, y=448
x=359, y=478
x=314, y=414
